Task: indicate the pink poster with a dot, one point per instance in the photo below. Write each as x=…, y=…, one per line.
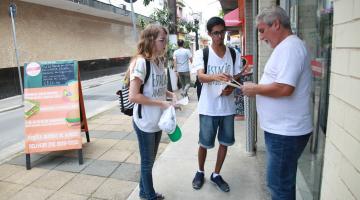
x=51, y=103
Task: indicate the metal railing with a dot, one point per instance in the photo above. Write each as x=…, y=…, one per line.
x=104, y=6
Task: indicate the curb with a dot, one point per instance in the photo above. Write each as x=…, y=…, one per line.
x=88, y=86
x=10, y=108
x=101, y=110
x=11, y=152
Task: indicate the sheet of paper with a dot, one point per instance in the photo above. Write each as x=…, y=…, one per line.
x=232, y=84
x=184, y=101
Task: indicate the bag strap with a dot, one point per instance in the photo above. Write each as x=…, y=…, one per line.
x=233, y=55
x=205, y=58
x=147, y=75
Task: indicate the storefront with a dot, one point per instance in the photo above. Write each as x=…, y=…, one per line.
x=312, y=21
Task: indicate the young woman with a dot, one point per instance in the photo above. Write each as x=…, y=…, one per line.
x=151, y=48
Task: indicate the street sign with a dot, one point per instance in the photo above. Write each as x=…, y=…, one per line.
x=12, y=8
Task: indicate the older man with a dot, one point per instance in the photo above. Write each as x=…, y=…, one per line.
x=283, y=101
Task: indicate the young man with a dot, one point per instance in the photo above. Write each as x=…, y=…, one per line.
x=181, y=58
x=216, y=106
x=283, y=99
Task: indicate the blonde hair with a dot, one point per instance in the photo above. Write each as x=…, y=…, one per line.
x=145, y=47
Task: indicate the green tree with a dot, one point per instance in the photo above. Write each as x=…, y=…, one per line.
x=147, y=2
x=187, y=26
x=163, y=17
x=221, y=13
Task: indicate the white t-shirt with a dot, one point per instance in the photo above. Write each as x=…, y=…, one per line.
x=211, y=103
x=289, y=64
x=182, y=57
x=154, y=88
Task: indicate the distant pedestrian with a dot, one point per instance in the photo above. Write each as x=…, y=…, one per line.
x=283, y=101
x=150, y=101
x=181, y=57
x=216, y=106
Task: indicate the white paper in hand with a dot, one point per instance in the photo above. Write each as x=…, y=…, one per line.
x=184, y=101
x=167, y=121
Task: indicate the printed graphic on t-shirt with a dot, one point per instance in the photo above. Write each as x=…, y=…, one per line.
x=216, y=69
x=138, y=70
x=159, y=84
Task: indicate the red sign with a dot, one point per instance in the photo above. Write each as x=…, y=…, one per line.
x=316, y=67
x=232, y=18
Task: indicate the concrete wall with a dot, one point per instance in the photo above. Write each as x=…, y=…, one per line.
x=264, y=50
x=341, y=175
x=249, y=44
x=307, y=28
x=45, y=33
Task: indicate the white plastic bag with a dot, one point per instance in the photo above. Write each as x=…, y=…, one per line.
x=167, y=121
x=173, y=79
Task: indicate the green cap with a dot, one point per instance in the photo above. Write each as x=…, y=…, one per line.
x=175, y=135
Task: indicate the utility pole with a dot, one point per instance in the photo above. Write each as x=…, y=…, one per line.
x=12, y=14
x=171, y=5
x=197, y=16
x=196, y=22
x=172, y=9
x=133, y=17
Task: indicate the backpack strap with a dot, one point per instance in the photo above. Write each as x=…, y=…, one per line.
x=205, y=58
x=147, y=75
x=233, y=55
x=197, y=82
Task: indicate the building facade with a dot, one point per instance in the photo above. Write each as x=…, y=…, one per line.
x=330, y=166
x=98, y=35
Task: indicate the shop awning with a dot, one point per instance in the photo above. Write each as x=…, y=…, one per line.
x=232, y=18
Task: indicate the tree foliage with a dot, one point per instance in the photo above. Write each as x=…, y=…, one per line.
x=187, y=26
x=221, y=13
x=163, y=17
x=147, y=2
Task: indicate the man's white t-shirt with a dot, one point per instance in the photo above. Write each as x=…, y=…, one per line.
x=182, y=57
x=289, y=64
x=211, y=103
x=154, y=88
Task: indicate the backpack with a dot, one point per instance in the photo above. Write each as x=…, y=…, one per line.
x=198, y=84
x=126, y=106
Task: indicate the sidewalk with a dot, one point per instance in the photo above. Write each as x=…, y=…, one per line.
x=112, y=165
x=176, y=167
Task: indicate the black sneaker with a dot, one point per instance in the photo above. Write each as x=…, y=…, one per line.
x=220, y=183
x=198, y=180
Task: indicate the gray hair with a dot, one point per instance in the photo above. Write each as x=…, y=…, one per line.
x=269, y=15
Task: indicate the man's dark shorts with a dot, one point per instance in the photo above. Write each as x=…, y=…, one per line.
x=222, y=126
